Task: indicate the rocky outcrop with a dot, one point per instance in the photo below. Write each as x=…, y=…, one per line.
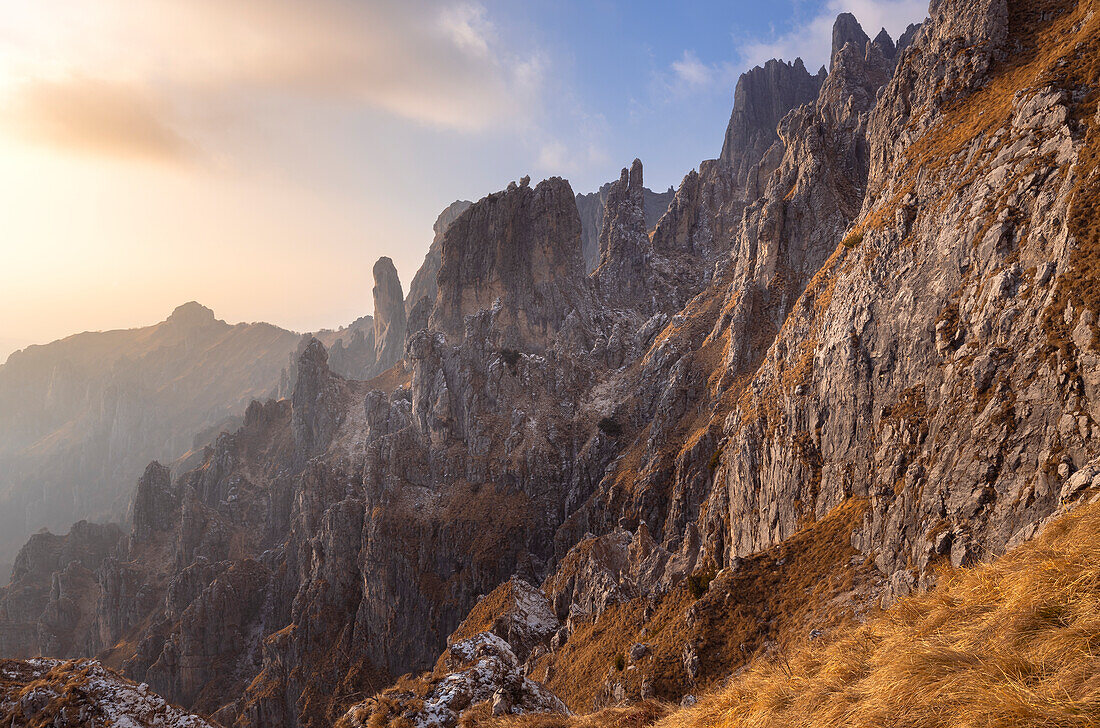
x=482, y=672
x=368, y=346
x=50, y=601
x=906, y=39
x=424, y=282
x=518, y=254
x=155, y=506
x=351, y=353
x=904, y=336
x=316, y=402
x=885, y=44
x=389, y=316
x=623, y=273
x=79, y=693
x=847, y=30
x=762, y=98
x=518, y=613
x=593, y=205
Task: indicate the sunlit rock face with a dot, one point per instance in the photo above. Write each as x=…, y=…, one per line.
x=517, y=252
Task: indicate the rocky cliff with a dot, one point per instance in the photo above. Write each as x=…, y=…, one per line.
x=858, y=349
x=518, y=254
x=423, y=284
x=762, y=98
x=593, y=205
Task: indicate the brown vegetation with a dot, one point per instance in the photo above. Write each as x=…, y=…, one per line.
x=1011, y=643
x=772, y=600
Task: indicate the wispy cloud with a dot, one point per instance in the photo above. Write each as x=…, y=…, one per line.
x=468, y=27
x=439, y=63
x=688, y=75
x=691, y=71
x=812, y=39
x=95, y=116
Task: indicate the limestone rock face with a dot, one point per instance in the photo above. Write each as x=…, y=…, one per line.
x=424, y=282
x=847, y=30
x=906, y=39
x=624, y=244
x=763, y=96
x=885, y=44
x=517, y=252
x=389, y=315
x=316, y=412
x=155, y=505
x=902, y=341
x=52, y=594
x=592, y=207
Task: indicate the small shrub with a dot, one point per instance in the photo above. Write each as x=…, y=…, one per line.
x=699, y=582
x=620, y=662
x=716, y=458
x=853, y=240
x=610, y=427
x=511, y=358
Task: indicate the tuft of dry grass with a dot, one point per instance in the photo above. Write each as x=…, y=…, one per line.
x=771, y=601
x=637, y=715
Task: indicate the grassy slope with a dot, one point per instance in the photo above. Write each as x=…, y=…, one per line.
x=1011, y=643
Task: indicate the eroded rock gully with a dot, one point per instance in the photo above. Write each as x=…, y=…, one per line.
x=854, y=345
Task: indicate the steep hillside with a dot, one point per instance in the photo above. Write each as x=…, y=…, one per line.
x=1010, y=643
x=81, y=417
x=858, y=353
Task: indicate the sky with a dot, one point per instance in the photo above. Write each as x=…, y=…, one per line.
x=259, y=155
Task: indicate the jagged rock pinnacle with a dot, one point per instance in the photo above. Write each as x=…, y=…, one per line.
x=847, y=30
x=886, y=44
x=762, y=98
x=389, y=314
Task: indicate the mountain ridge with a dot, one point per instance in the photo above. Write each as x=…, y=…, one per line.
x=857, y=353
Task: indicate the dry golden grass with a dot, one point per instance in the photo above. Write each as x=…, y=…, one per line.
x=772, y=601
x=637, y=715
x=1012, y=643
x=1003, y=645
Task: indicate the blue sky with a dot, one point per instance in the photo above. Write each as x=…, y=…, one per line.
x=656, y=79
x=259, y=155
